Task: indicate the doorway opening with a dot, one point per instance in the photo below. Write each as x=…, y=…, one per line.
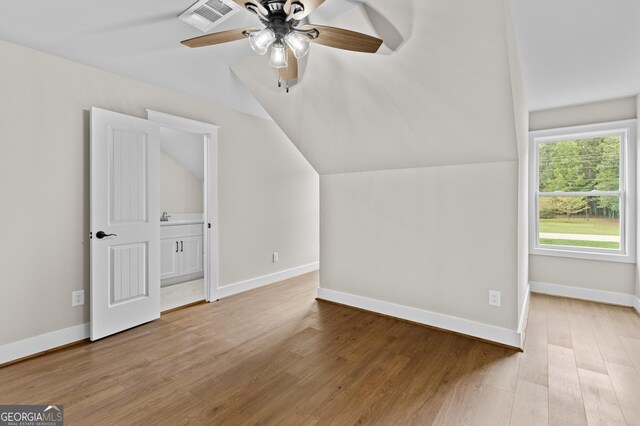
x=188, y=209
x=182, y=165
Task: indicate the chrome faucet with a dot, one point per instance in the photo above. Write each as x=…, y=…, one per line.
x=165, y=217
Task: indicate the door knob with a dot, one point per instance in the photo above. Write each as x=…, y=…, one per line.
x=100, y=235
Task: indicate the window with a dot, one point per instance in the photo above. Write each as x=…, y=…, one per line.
x=582, y=192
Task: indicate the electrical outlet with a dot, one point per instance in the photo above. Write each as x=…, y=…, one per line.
x=494, y=298
x=77, y=298
x=275, y=257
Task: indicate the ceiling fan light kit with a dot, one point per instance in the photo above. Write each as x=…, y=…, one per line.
x=284, y=35
x=278, y=55
x=299, y=43
x=280, y=31
x=260, y=41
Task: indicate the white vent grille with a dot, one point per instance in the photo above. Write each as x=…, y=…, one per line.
x=206, y=14
x=219, y=7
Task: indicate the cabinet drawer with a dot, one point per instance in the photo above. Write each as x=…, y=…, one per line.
x=180, y=231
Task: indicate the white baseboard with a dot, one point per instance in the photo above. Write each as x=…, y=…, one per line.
x=446, y=322
x=43, y=342
x=637, y=304
x=241, y=287
x=601, y=296
x=524, y=315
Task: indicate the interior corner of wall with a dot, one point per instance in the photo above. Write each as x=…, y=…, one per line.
x=520, y=111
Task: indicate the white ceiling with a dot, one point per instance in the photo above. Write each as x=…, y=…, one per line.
x=442, y=96
x=140, y=39
x=573, y=51
x=187, y=149
x=578, y=51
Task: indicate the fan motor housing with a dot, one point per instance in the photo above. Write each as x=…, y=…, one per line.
x=273, y=4
x=277, y=19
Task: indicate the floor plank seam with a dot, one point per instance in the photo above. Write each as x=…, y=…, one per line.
x=279, y=357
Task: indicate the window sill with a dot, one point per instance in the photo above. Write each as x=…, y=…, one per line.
x=585, y=255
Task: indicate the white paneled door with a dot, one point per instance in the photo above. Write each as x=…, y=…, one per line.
x=125, y=227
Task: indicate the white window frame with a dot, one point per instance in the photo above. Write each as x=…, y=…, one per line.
x=627, y=193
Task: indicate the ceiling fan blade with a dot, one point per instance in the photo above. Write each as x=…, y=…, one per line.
x=243, y=4
x=345, y=39
x=291, y=71
x=287, y=7
x=309, y=6
x=217, y=38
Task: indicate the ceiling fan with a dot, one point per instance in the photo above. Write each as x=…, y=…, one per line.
x=287, y=36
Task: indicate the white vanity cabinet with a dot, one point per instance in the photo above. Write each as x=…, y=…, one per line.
x=169, y=258
x=191, y=251
x=181, y=252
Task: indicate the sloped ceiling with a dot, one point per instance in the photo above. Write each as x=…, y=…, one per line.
x=440, y=95
x=140, y=39
x=572, y=51
x=187, y=149
x=578, y=51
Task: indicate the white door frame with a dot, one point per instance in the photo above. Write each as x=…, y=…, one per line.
x=211, y=235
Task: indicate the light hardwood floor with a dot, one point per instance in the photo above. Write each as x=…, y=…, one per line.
x=277, y=356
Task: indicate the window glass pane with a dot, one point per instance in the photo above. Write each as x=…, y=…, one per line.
x=580, y=165
x=592, y=222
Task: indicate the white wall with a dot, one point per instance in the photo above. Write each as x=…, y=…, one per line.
x=180, y=191
x=268, y=197
x=590, y=274
x=578, y=115
x=436, y=238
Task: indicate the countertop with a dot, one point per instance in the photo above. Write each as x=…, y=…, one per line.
x=182, y=222
x=184, y=219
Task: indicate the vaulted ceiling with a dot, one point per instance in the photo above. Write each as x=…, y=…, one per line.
x=441, y=95
x=441, y=72
x=578, y=51
x=140, y=39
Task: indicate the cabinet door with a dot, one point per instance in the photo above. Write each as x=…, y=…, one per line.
x=169, y=259
x=191, y=251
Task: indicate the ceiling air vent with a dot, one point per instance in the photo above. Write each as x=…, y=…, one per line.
x=206, y=14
